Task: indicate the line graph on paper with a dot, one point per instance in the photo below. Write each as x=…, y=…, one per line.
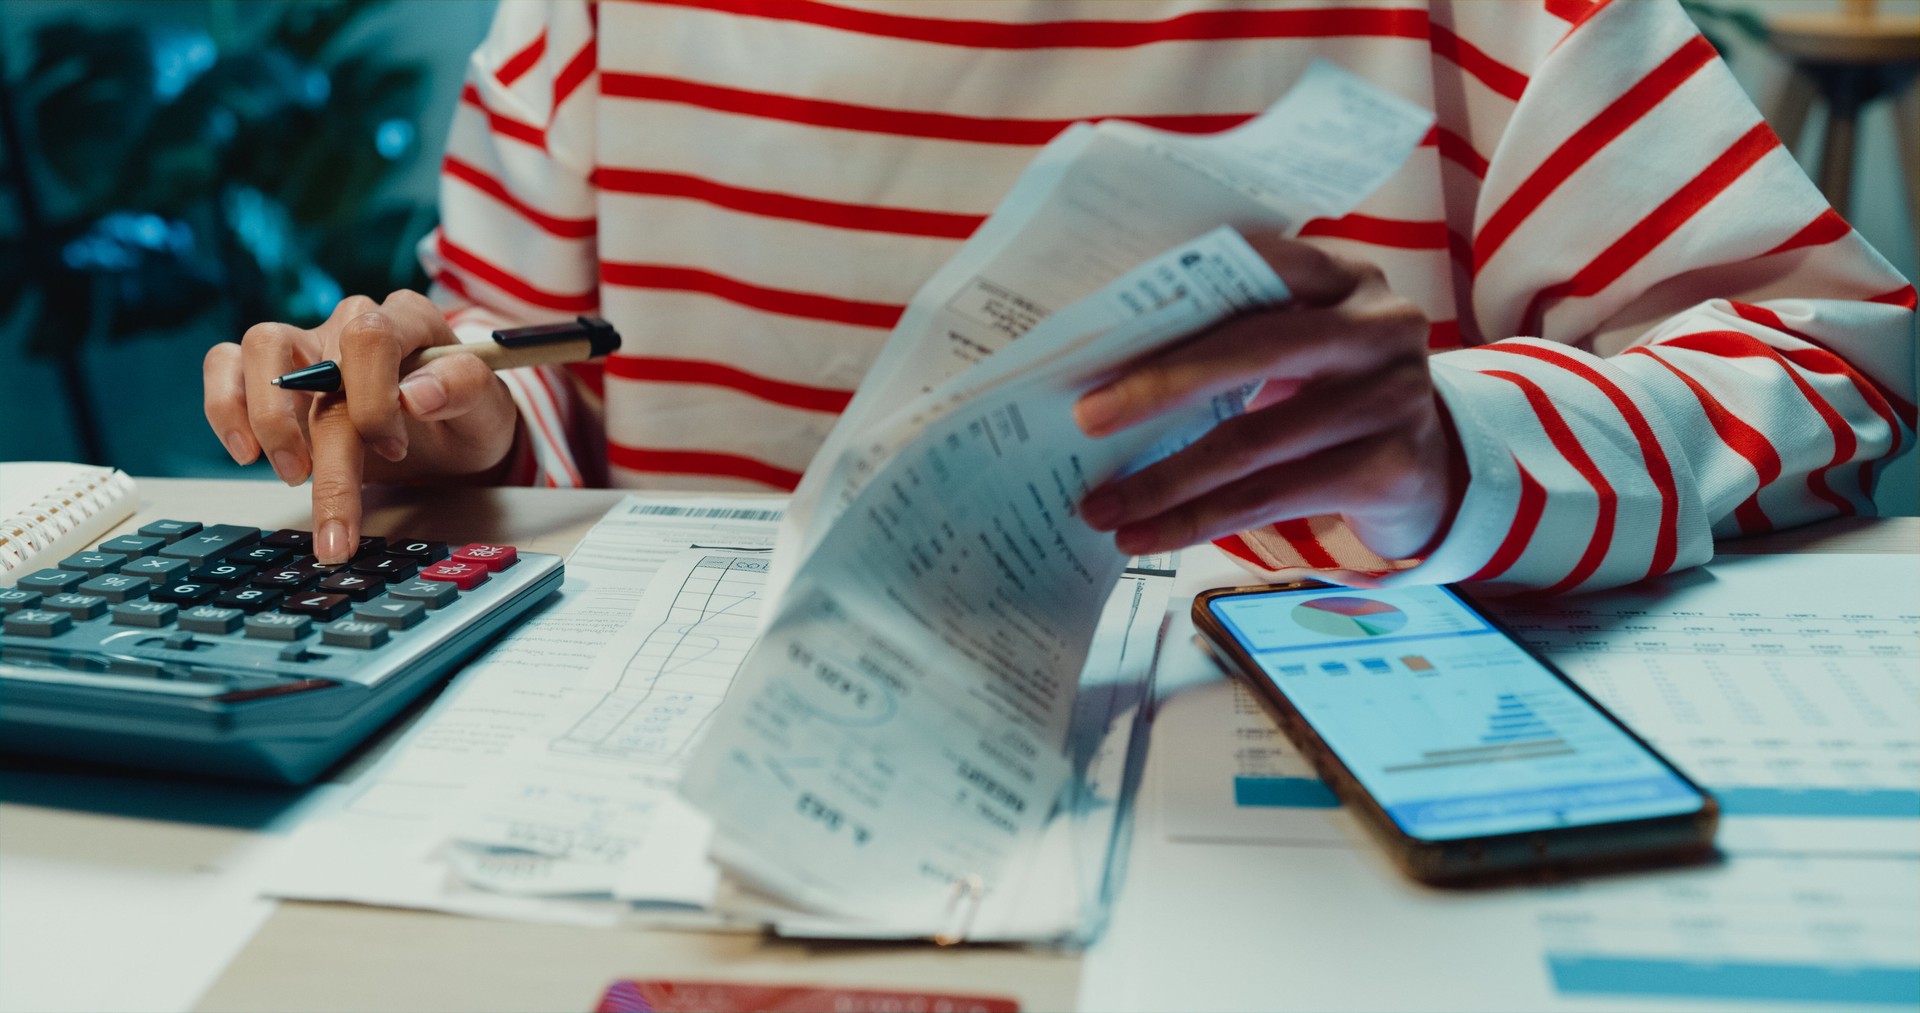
x=667, y=673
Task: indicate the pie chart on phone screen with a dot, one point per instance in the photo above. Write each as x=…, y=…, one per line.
x=1349, y=618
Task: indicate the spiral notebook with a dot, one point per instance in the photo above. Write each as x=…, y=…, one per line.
x=49, y=511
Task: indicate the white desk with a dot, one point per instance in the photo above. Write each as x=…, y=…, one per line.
x=167, y=862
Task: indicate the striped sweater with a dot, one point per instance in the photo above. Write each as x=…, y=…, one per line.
x=1648, y=327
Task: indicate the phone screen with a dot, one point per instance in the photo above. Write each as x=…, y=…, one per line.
x=1455, y=730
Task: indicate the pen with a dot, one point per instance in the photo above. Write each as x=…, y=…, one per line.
x=542, y=345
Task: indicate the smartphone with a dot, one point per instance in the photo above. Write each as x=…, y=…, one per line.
x=1469, y=755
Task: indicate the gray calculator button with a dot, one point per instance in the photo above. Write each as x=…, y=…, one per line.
x=211, y=542
x=79, y=606
x=211, y=619
x=172, y=531
x=144, y=613
x=14, y=599
x=278, y=626
x=116, y=587
x=393, y=613
x=157, y=568
x=180, y=640
x=354, y=633
x=37, y=623
x=94, y=563
x=433, y=593
x=131, y=545
x=51, y=581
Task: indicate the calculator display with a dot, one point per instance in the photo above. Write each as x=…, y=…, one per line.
x=1455, y=730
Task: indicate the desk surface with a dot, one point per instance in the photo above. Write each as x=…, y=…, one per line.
x=320, y=956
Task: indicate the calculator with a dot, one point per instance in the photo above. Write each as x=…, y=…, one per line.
x=225, y=650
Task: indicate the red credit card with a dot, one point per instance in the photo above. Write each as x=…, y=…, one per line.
x=726, y=997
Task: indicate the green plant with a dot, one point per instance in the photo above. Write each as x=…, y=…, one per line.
x=167, y=177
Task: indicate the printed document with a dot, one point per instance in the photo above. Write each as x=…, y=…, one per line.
x=894, y=749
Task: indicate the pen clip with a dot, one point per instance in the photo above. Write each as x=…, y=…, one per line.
x=962, y=906
x=597, y=332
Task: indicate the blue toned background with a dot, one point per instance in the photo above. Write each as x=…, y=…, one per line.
x=194, y=166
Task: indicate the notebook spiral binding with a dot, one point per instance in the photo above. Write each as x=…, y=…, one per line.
x=86, y=505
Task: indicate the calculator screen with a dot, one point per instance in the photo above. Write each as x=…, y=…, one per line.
x=1451, y=727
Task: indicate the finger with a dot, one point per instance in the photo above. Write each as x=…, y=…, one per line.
x=472, y=413
x=1280, y=346
x=1375, y=479
x=269, y=351
x=1320, y=417
x=372, y=345
x=224, y=392
x=338, y=468
x=1315, y=276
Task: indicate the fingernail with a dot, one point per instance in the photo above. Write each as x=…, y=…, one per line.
x=287, y=467
x=423, y=395
x=392, y=448
x=1100, y=510
x=237, y=446
x=1096, y=411
x=330, y=545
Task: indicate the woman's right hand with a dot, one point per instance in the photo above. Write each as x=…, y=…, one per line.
x=452, y=417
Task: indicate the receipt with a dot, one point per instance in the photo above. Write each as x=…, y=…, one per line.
x=898, y=729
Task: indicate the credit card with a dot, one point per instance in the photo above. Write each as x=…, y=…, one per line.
x=664, y=996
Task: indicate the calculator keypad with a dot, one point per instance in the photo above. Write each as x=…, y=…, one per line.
x=188, y=590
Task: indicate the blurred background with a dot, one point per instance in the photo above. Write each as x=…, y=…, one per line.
x=172, y=171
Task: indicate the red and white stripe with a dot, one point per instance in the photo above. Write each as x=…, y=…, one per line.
x=752, y=190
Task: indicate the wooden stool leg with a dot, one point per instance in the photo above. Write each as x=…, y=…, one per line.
x=1906, y=127
x=1836, y=152
x=1790, y=110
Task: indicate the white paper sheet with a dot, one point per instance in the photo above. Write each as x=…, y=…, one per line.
x=386, y=843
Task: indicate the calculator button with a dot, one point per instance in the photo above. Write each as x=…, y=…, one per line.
x=79, y=606
x=370, y=546
x=493, y=557
x=172, y=531
x=212, y=542
x=354, y=633
x=248, y=599
x=211, y=619
x=144, y=613
x=285, y=578
x=131, y=545
x=352, y=585
x=260, y=555
x=184, y=592
x=14, y=599
x=223, y=573
x=157, y=569
x=37, y=623
x=291, y=539
x=117, y=587
x=277, y=626
x=419, y=551
x=51, y=581
x=397, y=614
x=316, y=604
x=387, y=566
x=180, y=640
x=431, y=593
x=94, y=564
x=465, y=576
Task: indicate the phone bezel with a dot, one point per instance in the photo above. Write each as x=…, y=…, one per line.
x=1631, y=843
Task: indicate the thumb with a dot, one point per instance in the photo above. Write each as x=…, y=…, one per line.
x=450, y=387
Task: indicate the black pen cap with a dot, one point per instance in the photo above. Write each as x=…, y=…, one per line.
x=321, y=377
x=600, y=335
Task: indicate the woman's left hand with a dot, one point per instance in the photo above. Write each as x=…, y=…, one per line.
x=1348, y=422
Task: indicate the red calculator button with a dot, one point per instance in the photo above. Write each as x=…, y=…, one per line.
x=492, y=558
x=465, y=576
